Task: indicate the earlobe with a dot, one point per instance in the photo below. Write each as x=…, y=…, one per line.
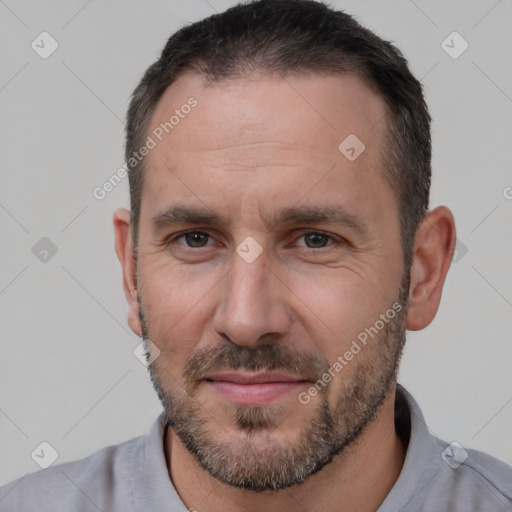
x=433, y=250
x=134, y=318
x=124, y=251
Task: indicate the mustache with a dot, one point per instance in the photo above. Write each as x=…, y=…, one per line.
x=269, y=356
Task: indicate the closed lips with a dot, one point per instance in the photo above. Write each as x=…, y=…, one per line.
x=260, y=378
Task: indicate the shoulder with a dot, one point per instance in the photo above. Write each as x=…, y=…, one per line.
x=440, y=476
x=85, y=484
x=472, y=480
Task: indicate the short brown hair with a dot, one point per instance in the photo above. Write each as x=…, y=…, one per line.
x=297, y=37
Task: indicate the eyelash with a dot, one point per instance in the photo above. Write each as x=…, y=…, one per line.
x=177, y=236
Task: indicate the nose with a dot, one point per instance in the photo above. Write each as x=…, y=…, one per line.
x=253, y=308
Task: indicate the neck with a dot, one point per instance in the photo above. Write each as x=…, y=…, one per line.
x=364, y=474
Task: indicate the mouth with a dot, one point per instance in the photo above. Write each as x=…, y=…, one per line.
x=244, y=388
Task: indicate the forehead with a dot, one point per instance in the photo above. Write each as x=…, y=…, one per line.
x=313, y=111
x=268, y=136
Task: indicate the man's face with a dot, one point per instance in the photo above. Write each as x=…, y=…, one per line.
x=250, y=311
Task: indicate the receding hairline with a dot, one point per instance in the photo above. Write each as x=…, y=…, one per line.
x=261, y=73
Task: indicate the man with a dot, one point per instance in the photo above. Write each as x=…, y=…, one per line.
x=278, y=247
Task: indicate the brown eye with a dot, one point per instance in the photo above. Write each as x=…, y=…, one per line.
x=195, y=239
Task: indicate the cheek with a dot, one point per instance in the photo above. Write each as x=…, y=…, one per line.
x=336, y=307
x=175, y=305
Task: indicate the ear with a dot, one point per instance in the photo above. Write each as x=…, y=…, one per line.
x=432, y=255
x=126, y=256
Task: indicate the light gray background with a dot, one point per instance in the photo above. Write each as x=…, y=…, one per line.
x=67, y=372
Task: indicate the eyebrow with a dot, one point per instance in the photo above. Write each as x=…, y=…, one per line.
x=303, y=214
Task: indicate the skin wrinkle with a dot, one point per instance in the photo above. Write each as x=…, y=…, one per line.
x=244, y=152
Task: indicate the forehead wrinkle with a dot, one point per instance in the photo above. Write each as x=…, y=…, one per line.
x=250, y=157
x=257, y=145
x=245, y=167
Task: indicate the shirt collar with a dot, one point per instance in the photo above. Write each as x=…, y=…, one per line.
x=152, y=487
x=422, y=462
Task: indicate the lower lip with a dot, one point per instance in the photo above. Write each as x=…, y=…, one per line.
x=246, y=394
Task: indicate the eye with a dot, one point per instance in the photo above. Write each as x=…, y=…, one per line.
x=193, y=239
x=199, y=239
x=315, y=240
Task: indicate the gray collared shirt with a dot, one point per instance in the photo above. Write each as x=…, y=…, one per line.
x=133, y=477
